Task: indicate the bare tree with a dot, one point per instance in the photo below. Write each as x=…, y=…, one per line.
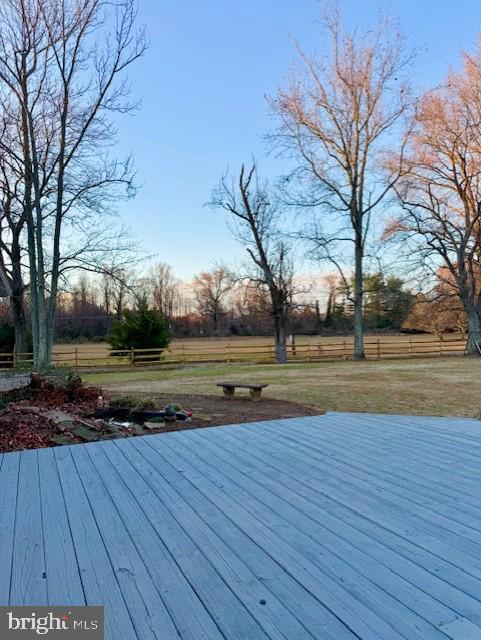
x=331, y=282
x=440, y=223
x=256, y=213
x=164, y=289
x=118, y=288
x=60, y=61
x=210, y=291
x=335, y=118
x=12, y=229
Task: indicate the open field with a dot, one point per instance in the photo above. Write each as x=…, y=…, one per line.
x=256, y=349
x=102, y=348
x=434, y=386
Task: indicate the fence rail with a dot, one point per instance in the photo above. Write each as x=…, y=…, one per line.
x=230, y=352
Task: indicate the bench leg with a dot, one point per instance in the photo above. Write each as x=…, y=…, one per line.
x=255, y=394
x=229, y=392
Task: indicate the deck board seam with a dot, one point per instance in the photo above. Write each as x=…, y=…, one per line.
x=42, y=527
x=373, y=430
x=368, y=440
x=414, y=469
x=72, y=465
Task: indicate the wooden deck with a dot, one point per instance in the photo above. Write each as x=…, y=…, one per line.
x=335, y=527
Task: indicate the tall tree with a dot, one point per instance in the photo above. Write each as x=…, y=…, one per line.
x=337, y=117
x=256, y=213
x=61, y=63
x=440, y=195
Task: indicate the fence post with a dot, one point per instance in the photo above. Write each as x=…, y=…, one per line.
x=14, y=354
x=293, y=344
x=344, y=350
x=132, y=355
x=411, y=347
x=76, y=357
x=228, y=353
x=378, y=349
x=183, y=355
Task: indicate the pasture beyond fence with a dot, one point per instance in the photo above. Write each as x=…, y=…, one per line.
x=90, y=356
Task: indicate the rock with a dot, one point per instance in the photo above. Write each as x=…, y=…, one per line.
x=61, y=440
x=114, y=436
x=23, y=409
x=62, y=420
x=89, y=435
x=151, y=426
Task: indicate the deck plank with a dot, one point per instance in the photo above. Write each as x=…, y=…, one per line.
x=98, y=576
x=333, y=527
x=8, y=504
x=28, y=581
x=64, y=584
x=399, y=467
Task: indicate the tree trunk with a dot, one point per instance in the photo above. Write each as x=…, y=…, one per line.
x=19, y=323
x=17, y=298
x=358, y=295
x=474, y=333
x=318, y=319
x=281, y=350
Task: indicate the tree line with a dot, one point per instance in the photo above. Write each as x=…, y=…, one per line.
x=219, y=303
x=382, y=174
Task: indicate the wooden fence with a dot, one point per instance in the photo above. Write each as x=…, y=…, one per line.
x=230, y=352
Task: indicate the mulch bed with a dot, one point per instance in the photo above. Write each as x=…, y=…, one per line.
x=213, y=411
x=29, y=418
x=45, y=414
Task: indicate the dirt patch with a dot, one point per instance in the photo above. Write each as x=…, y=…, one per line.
x=211, y=411
x=46, y=413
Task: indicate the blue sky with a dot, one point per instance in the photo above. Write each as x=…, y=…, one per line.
x=203, y=83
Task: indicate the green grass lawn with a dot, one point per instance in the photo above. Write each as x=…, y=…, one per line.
x=435, y=386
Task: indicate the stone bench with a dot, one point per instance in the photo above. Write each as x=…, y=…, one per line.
x=230, y=387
